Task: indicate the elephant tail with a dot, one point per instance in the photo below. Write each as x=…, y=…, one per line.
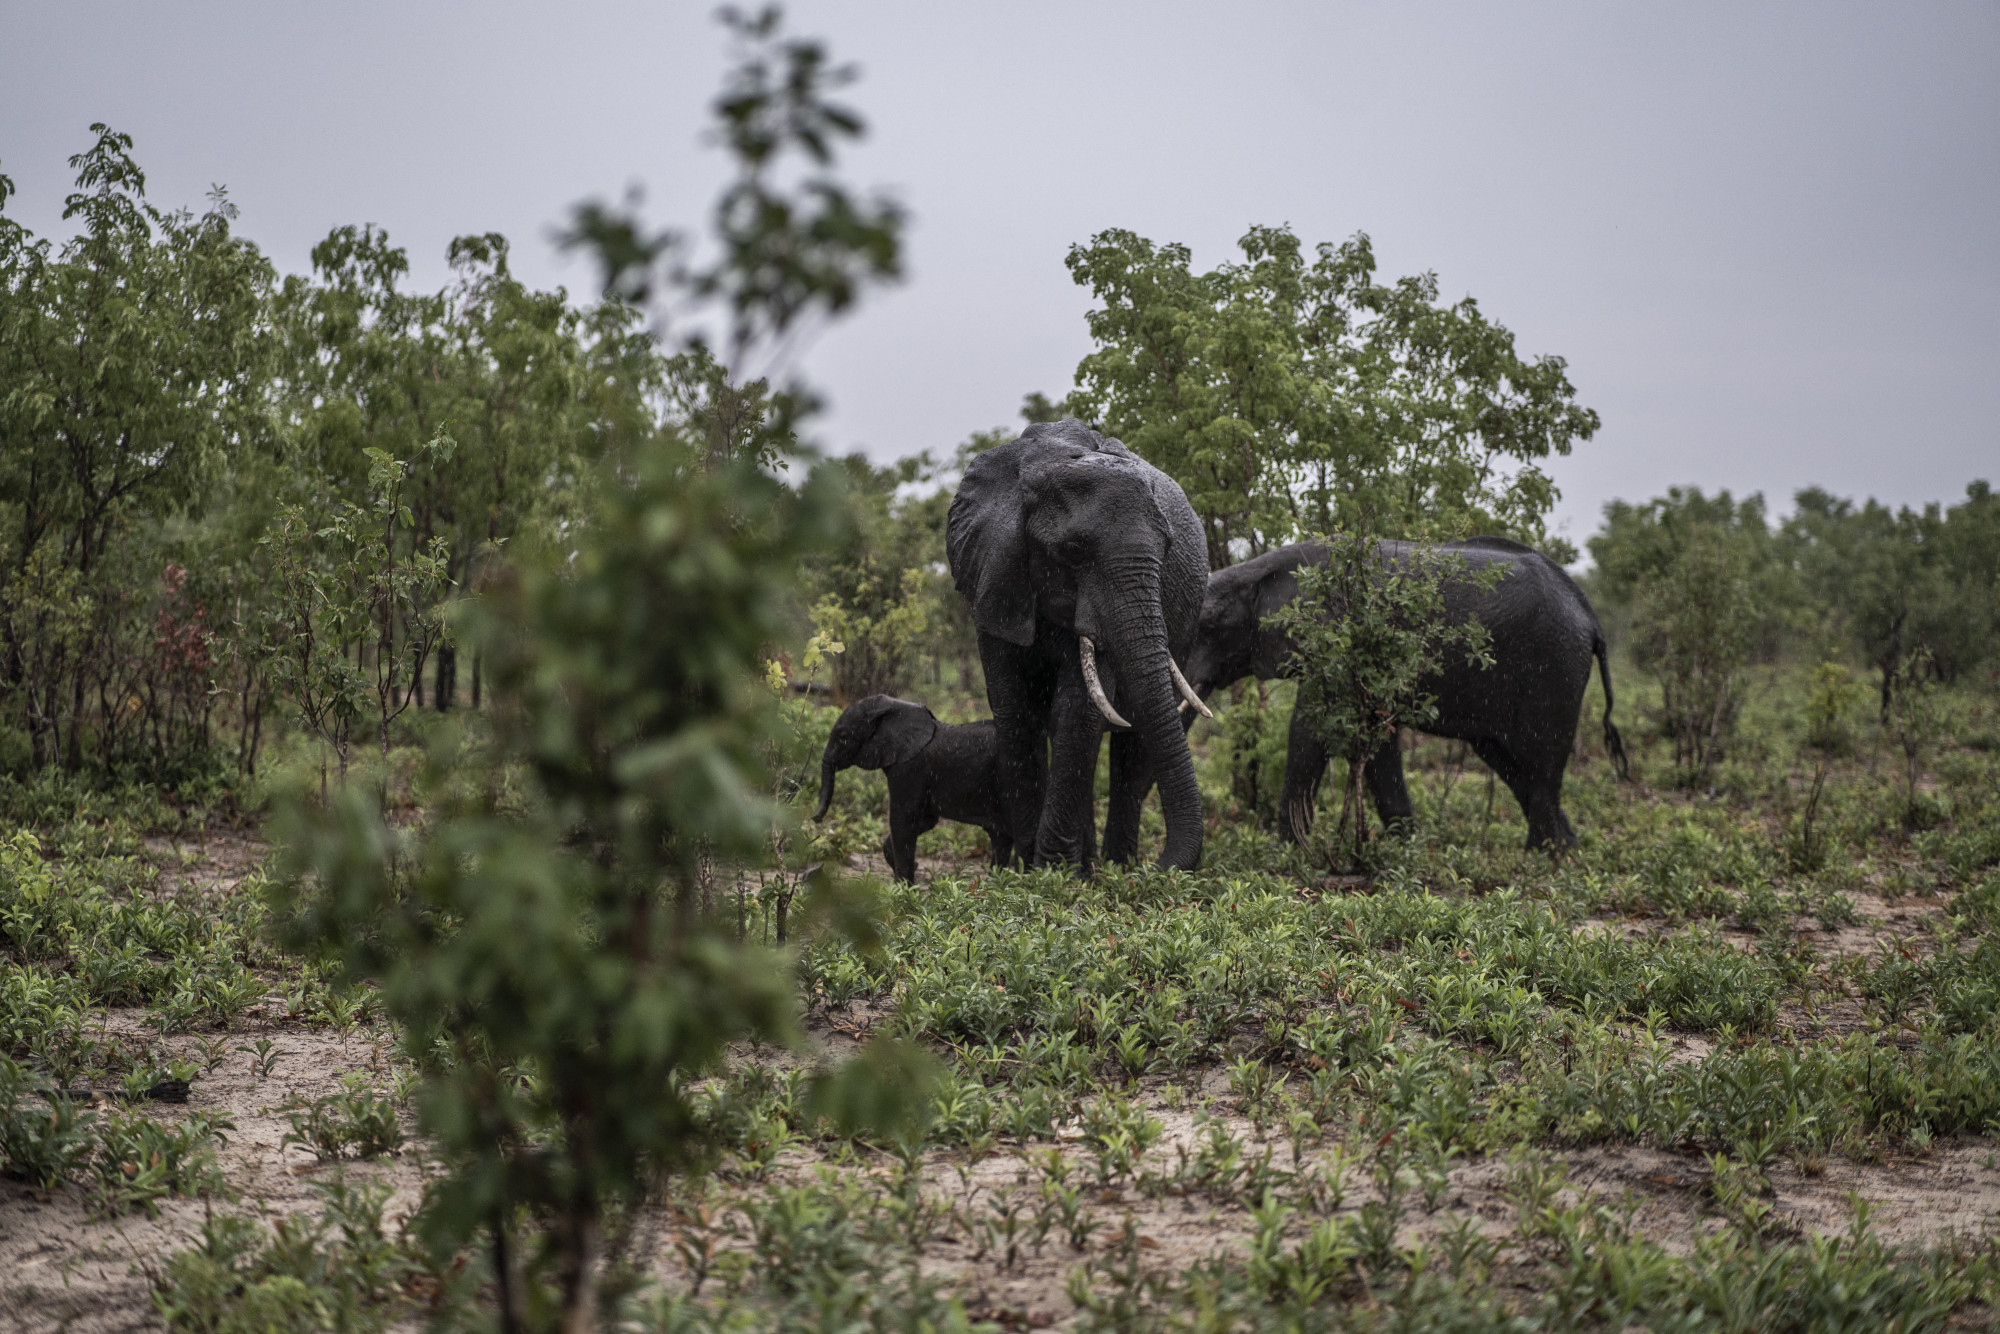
x=1613, y=742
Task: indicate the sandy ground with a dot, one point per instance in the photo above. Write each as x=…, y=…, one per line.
x=64, y=1270
x=67, y=1271
x=60, y=1269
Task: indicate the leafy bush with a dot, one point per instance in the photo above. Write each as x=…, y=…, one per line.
x=134, y=371
x=141, y=1161
x=127, y=1160
x=1248, y=746
x=551, y=956
x=351, y=1123
x=1368, y=631
x=44, y=1138
x=1693, y=626
x=1827, y=705
x=338, y=1270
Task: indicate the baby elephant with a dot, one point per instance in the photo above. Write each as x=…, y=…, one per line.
x=935, y=770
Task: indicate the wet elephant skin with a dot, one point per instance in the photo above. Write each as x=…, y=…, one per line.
x=1060, y=536
x=936, y=771
x=1519, y=715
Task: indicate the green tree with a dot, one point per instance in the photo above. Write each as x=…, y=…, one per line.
x=530, y=389
x=346, y=586
x=1694, y=623
x=731, y=420
x=1039, y=407
x=1894, y=581
x=1287, y=395
x=575, y=953
x=541, y=941
x=1827, y=736
x=1700, y=586
x=132, y=369
x=878, y=591
x=1915, y=720
x=1369, y=629
x=951, y=639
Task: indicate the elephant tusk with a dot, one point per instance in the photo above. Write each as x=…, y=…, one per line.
x=1088, y=652
x=1187, y=691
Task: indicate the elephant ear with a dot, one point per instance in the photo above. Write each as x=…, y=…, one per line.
x=902, y=730
x=986, y=542
x=1274, y=591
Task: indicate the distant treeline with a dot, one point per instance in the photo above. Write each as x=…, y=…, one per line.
x=1833, y=579
x=201, y=462
x=232, y=500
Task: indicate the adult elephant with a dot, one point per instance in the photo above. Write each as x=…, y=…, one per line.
x=1520, y=714
x=1084, y=566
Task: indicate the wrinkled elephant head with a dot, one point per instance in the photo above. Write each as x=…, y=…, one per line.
x=1065, y=528
x=1233, y=641
x=873, y=733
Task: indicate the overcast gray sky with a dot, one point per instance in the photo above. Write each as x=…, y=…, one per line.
x=1766, y=237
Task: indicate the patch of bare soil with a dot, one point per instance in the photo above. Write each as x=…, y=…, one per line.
x=1951, y=1191
x=929, y=866
x=208, y=859
x=1905, y=922
x=1954, y=1191
x=62, y=1269
x=65, y=1270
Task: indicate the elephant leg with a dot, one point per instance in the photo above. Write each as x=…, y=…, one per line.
x=1068, y=830
x=899, y=849
x=1131, y=778
x=1548, y=826
x=1384, y=773
x=1002, y=846
x=1018, y=690
x=1547, y=814
x=1305, y=766
x=913, y=812
x=1540, y=801
x=906, y=821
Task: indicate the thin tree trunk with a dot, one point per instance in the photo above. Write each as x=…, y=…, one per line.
x=503, y=1279
x=577, y=1265
x=1357, y=802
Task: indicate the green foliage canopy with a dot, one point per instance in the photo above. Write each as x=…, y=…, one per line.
x=1705, y=592
x=1370, y=632
x=1290, y=394
x=132, y=367
x=879, y=590
x=543, y=941
x=1834, y=576
x=1895, y=581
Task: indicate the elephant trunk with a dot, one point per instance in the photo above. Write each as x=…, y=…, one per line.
x=827, y=770
x=1148, y=692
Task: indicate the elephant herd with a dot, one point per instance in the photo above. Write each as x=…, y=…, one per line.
x=1087, y=576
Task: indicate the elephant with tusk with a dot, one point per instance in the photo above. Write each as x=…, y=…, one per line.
x=1084, y=566
x=1087, y=651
